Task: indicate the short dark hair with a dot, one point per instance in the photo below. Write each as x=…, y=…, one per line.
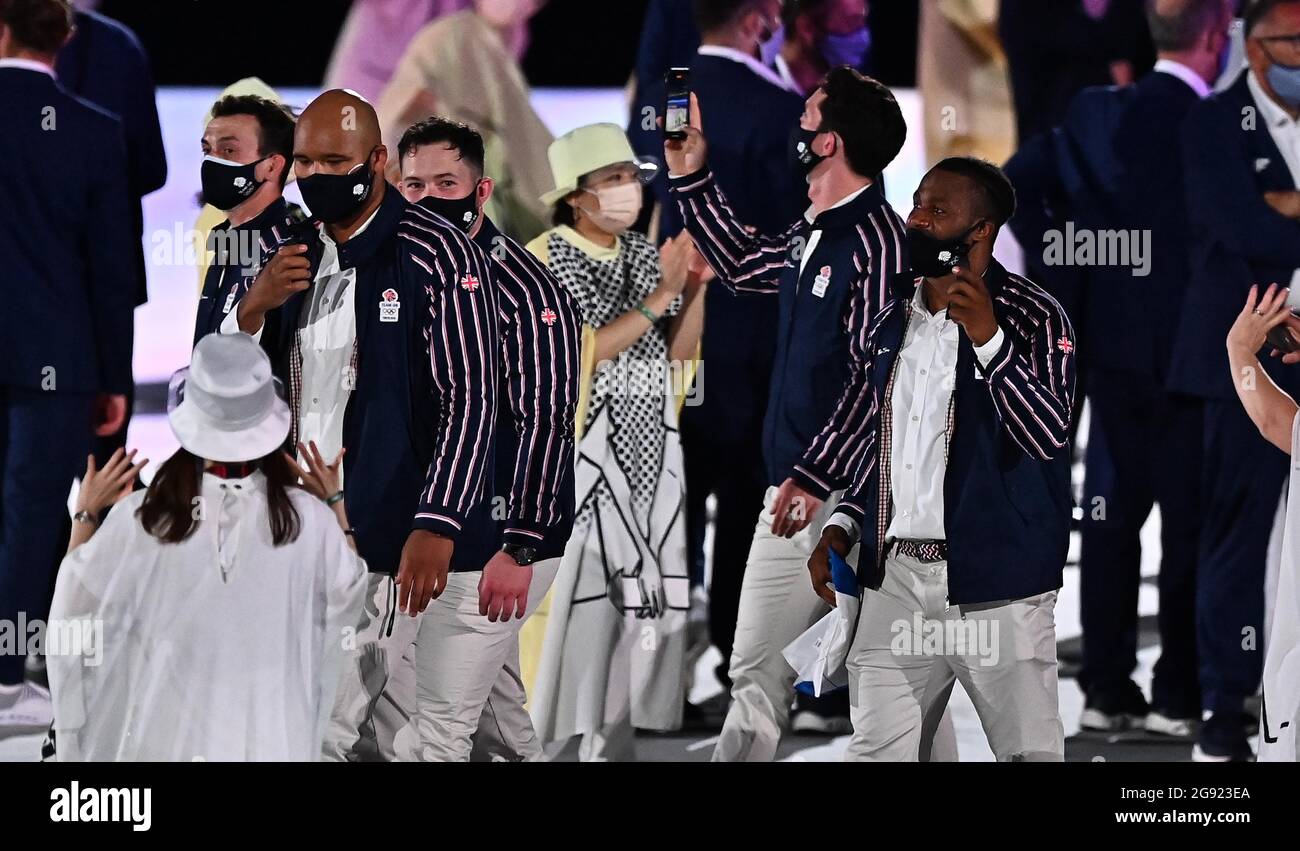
x=865, y=114
x=996, y=198
x=1258, y=10
x=456, y=134
x=275, y=123
x=712, y=15
x=40, y=25
x=1184, y=23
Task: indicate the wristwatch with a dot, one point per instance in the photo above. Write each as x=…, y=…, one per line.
x=522, y=554
x=86, y=517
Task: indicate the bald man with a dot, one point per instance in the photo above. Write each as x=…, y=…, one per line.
x=383, y=324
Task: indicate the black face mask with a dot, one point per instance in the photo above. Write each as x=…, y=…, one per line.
x=461, y=212
x=933, y=257
x=802, y=157
x=334, y=197
x=226, y=185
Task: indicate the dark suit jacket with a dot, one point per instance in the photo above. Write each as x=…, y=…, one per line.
x=105, y=64
x=1068, y=178
x=747, y=121
x=66, y=264
x=1136, y=317
x=1054, y=51
x=1236, y=238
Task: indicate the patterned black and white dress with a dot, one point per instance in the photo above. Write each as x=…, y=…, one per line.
x=622, y=592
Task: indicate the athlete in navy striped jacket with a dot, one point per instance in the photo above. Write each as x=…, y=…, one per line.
x=1006, y=491
x=386, y=330
x=248, y=151
x=962, y=500
x=831, y=272
x=466, y=645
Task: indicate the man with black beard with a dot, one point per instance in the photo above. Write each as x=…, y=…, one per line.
x=961, y=500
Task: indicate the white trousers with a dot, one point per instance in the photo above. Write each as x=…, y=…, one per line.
x=466, y=699
x=777, y=604
x=911, y=646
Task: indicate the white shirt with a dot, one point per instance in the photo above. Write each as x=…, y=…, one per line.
x=327, y=330
x=923, y=385
x=815, y=235
x=749, y=61
x=787, y=76
x=180, y=625
x=27, y=64
x=1187, y=75
x=1285, y=131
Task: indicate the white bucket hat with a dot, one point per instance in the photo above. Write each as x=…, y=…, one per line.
x=226, y=406
x=585, y=149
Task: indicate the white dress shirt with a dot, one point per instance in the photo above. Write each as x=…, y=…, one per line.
x=749, y=61
x=327, y=331
x=923, y=385
x=1285, y=131
x=815, y=234
x=27, y=65
x=1187, y=75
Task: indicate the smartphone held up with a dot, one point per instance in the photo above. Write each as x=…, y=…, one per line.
x=677, y=103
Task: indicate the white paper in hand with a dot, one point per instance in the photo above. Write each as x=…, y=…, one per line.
x=818, y=655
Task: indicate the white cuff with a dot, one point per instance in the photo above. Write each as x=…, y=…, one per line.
x=847, y=523
x=230, y=325
x=986, y=352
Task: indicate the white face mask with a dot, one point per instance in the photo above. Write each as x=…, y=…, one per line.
x=619, y=206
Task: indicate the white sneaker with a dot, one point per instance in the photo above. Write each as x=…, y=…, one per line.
x=1163, y=725
x=25, y=706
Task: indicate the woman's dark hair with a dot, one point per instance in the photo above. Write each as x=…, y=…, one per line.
x=562, y=213
x=171, y=509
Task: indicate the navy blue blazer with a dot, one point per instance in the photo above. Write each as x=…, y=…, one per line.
x=105, y=64
x=420, y=422
x=1068, y=177
x=1006, y=490
x=1236, y=238
x=229, y=277
x=815, y=424
x=1135, y=318
x=67, y=265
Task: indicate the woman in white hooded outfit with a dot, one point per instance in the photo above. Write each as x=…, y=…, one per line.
x=205, y=620
x=1275, y=414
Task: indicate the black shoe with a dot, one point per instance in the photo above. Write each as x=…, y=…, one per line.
x=1223, y=739
x=1113, y=710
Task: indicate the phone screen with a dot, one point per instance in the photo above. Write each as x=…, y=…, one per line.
x=677, y=103
x=678, y=113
